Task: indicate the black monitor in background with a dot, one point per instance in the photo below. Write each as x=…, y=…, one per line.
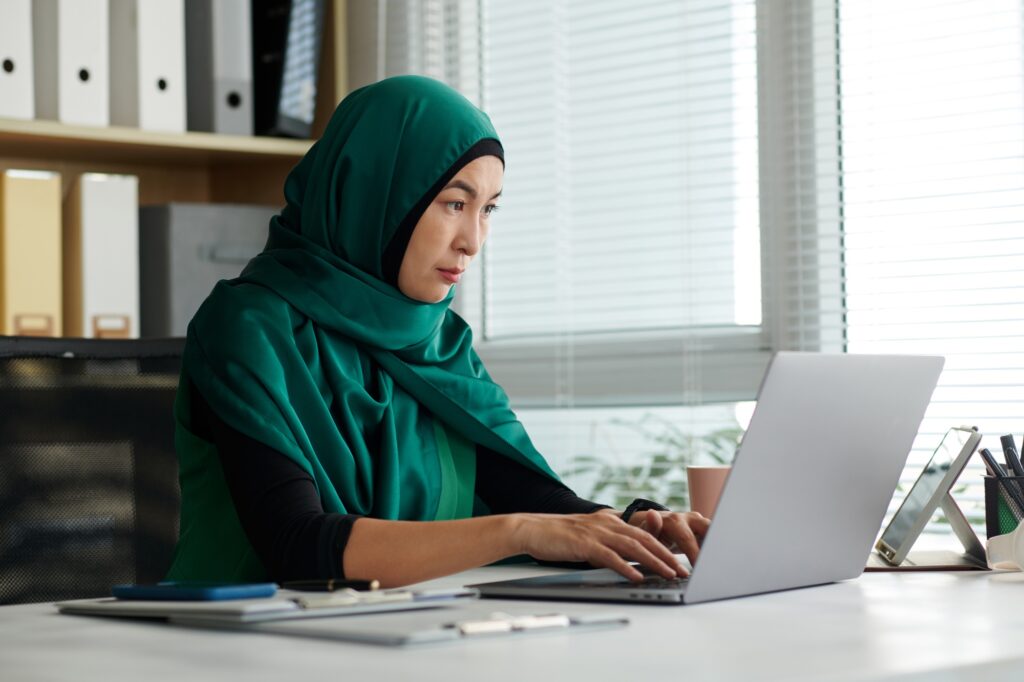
x=88, y=474
x=286, y=41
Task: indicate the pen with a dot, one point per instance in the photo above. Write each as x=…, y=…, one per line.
x=330, y=585
x=1012, y=459
x=1010, y=454
x=993, y=466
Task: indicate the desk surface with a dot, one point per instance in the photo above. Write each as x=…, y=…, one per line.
x=880, y=626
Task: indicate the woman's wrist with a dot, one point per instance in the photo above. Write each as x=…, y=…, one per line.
x=515, y=532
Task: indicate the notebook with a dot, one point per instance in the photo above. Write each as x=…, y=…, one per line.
x=285, y=605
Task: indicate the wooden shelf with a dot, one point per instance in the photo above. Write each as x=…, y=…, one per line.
x=49, y=139
x=192, y=167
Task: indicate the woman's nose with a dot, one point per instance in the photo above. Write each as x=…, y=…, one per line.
x=471, y=237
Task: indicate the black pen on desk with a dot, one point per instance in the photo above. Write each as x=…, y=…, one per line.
x=331, y=585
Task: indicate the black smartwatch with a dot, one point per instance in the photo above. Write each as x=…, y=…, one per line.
x=640, y=504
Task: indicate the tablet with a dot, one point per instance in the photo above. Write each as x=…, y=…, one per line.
x=934, y=482
x=194, y=591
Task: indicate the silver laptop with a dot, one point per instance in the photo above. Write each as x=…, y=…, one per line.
x=809, y=486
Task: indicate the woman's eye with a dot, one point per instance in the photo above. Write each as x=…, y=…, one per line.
x=490, y=208
x=456, y=205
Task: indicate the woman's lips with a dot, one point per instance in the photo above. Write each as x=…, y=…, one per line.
x=451, y=276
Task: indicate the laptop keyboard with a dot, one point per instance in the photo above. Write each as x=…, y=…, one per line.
x=656, y=582
x=650, y=582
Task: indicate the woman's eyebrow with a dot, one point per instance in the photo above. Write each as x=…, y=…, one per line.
x=467, y=188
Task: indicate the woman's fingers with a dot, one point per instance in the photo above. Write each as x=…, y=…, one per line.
x=649, y=520
x=644, y=548
x=635, y=550
x=604, y=540
x=699, y=523
x=684, y=531
x=604, y=557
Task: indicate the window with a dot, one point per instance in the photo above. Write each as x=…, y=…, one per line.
x=624, y=265
x=693, y=184
x=898, y=190
x=933, y=197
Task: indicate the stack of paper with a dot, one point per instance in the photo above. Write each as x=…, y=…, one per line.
x=379, y=618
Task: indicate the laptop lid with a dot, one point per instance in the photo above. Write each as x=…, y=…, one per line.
x=815, y=471
x=809, y=486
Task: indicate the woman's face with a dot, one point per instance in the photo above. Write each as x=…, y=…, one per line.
x=451, y=231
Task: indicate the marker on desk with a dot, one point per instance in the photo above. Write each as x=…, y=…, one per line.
x=331, y=585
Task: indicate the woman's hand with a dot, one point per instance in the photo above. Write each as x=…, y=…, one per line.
x=601, y=538
x=679, y=532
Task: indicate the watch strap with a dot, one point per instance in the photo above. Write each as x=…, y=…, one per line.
x=640, y=504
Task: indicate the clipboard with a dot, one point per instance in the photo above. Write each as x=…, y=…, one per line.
x=470, y=621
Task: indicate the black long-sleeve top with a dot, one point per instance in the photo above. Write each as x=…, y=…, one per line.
x=281, y=514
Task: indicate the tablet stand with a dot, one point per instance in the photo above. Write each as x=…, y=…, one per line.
x=968, y=538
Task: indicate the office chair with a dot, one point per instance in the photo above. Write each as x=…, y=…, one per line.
x=88, y=474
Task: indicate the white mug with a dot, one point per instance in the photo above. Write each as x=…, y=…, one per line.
x=1007, y=551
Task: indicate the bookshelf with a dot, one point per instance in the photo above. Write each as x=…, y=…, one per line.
x=192, y=166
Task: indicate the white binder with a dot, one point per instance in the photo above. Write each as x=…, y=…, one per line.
x=16, y=87
x=101, y=257
x=219, y=56
x=147, y=64
x=71, y=53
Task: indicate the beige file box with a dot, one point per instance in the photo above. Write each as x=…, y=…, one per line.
x=30, y=253
x=101, y=257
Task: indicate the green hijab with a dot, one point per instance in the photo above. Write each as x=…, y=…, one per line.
x=379, y=397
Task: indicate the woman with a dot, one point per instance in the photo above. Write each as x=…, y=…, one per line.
x=333, y=418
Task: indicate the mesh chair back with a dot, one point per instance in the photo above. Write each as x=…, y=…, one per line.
x=88, y=475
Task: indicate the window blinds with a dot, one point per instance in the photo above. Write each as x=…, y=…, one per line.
x=624, y=266
x=436, y=38
x=932, y=101
x=892, y=139
x=631, y=183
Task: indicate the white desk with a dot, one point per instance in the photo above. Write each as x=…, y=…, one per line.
x=881, y=626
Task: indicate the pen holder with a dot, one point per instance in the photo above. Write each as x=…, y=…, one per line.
x=1002, y=513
